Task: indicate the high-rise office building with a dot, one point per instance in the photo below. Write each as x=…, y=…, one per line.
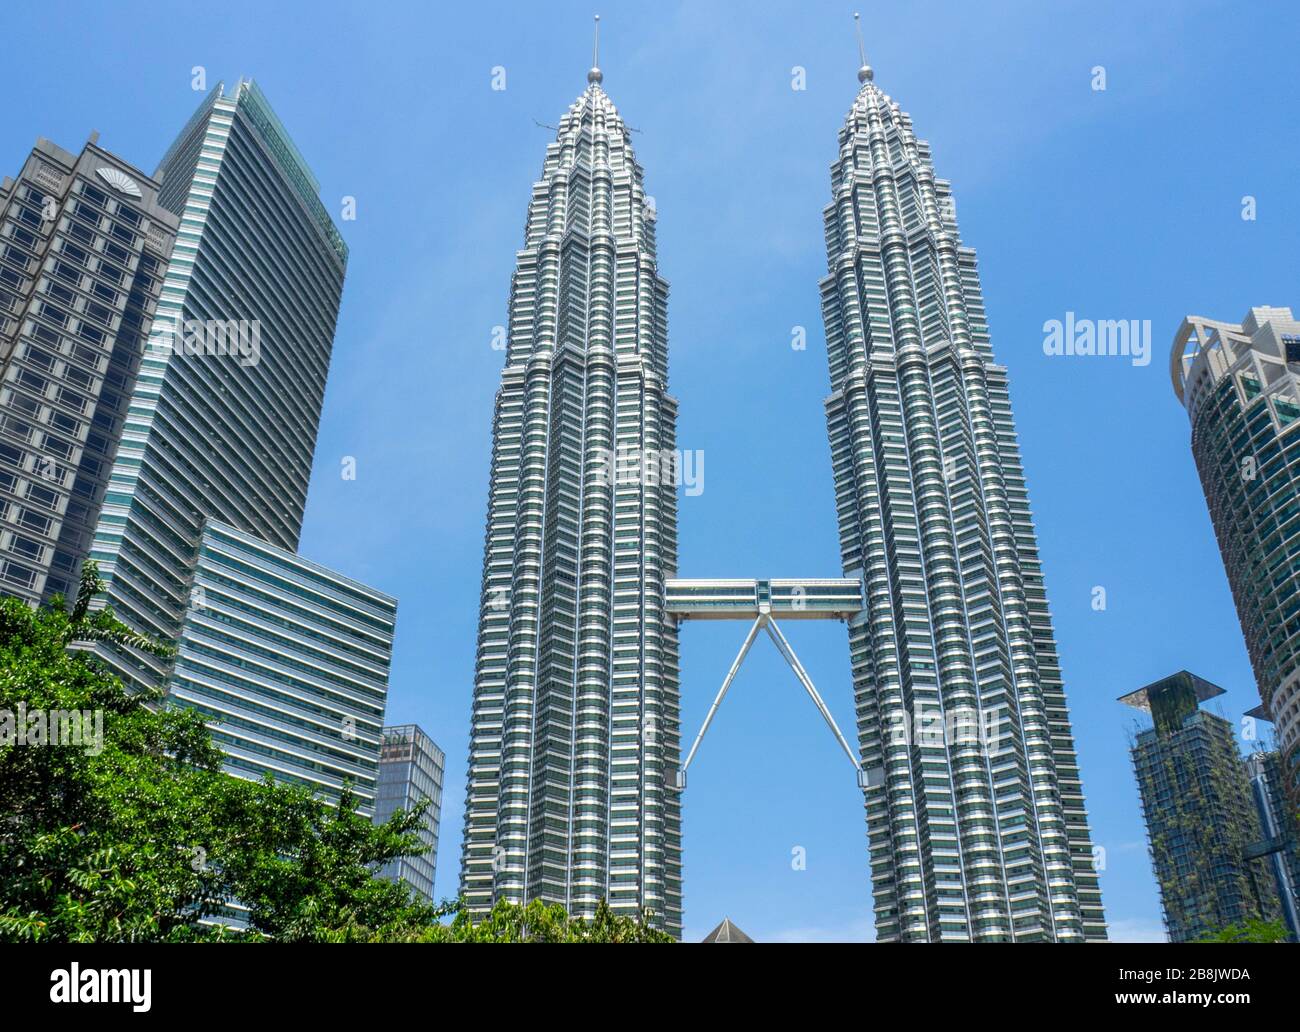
x=1280, y=830
x=1240, y=384
x=1203, y=829
x=208, y=428
x=289, y=662
x=973, y=836
x=223, y=420
x=575, y=724
x=410, y=771
x=84, y=240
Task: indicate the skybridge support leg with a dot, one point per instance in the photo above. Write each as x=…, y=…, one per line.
x=766, y=622
x=722, y=693
x=784, y=646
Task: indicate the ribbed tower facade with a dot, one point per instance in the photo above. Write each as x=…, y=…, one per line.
x=575, y=725
x=974, y=805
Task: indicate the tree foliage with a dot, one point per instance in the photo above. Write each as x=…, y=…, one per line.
x=1252, y=930
x=97, y=845
x=535, y=922
x=139, y=836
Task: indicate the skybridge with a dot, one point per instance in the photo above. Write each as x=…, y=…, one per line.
x=765, y=602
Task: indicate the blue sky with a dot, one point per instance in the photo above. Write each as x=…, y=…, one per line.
x=1117, y=204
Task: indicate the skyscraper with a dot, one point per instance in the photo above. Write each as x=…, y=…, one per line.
x=972, y=836
x=289, y=662
x=410, y=770
x=1203, y=830
x=223, y=419
x=575, y=737
x=1240, y=385
x=83, y=243
x=1279, y=826
x=211, y=446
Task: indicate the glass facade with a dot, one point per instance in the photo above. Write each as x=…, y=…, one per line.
x=213, y=410
x=289, y=663
x=810, y=598
x=1203, y=829
x=222, y=423
x=1280, y=828
x=84, y=240
x=410, y=771
x=971, y=839
x=575, y=730
x=1240, y=385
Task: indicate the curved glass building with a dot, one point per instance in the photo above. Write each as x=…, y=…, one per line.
x=1240, y=385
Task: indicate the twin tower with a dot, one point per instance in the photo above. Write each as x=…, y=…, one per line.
x=975, y=812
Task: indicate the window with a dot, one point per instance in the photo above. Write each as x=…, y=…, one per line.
x=82, y=233
x=87, y=213
x=111, y=273
x=99, y=313
x=17, y=574
x=26, y=547
x=61, y=292
x=39, y=357
x=54, y=313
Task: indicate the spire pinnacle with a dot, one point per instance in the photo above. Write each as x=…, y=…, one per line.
x=595, y=75
x=865, y=74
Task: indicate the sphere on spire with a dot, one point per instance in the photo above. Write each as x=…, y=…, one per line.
x=596, y=75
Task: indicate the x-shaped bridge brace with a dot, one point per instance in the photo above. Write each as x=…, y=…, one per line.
x=837, y=599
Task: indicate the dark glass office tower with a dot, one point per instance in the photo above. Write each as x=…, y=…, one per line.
x=410, y=771
x=973, y=836
x=84, y=240
x=1203, y=829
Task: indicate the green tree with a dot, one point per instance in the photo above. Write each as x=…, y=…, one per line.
x=305, y=869
x=1252, y=930
x=535, y=922
x=137, y=835
x=99, y=841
